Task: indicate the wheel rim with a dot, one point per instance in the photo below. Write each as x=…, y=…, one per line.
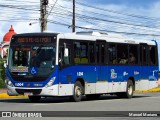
x=130, y=90
x=78, y=91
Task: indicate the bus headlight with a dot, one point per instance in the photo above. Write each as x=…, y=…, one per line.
x=9, y=83
x=50, y=83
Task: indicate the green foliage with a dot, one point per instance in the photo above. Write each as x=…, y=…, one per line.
x=2, y=74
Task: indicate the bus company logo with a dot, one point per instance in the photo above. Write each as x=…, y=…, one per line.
x=113, y=74
x=125, y=73
x=136, y=73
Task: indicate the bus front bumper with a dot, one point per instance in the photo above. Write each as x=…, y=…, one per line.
x=45, y=91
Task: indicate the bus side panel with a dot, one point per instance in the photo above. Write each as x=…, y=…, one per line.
x=69, y=75
x=102, y=80
x=144, y=82
x=153, y=78
x=133, y=73
x=119, y=75
x=149, y=77
x=116, y=79
x=65, y=79
x=89, y=75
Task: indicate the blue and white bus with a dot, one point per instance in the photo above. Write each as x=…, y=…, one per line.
x=78, y=64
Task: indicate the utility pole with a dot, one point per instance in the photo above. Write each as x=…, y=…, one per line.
x=43, y=16
x=73, y=19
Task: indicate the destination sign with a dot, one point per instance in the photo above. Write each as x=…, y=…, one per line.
x=23, y=49
x=34, y=40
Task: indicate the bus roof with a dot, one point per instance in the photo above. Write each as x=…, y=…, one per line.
x=106, y=37
x=92, y=36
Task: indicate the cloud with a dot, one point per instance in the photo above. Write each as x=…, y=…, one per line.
x=65, y=7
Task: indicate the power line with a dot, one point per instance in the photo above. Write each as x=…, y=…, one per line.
x=117, y=12
x=64, y=12
x=17, y=7
x=111, y=21
x=52, y=8
x=82, y=18
x=103, y=30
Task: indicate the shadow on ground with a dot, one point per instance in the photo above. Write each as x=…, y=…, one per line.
x=67, y=100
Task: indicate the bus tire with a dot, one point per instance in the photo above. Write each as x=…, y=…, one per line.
x=129, y=91
x=34, y=99
x=78, y=92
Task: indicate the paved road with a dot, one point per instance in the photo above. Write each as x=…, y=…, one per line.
x=140, y=102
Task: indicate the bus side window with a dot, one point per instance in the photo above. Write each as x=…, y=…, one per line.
x=112, y=54
x=81, y=53
x=152, y=55
x=133, y=54
x=77, y=53
x=91, y=53
x=122, y=53
x=143, y=55
x=103, y=53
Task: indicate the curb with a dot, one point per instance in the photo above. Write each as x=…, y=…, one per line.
x=4, y=96
x=148, y=91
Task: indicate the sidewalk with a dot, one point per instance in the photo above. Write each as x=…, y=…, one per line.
x=4, y=95
x=3, y=90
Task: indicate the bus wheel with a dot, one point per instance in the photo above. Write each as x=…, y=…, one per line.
x=34, y=99
x=78, y=91
x=129, y=91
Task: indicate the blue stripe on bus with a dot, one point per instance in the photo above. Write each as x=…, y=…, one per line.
x=93, y=74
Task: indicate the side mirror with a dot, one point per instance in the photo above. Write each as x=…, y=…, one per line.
x=66, y=52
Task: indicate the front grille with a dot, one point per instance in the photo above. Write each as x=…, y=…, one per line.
x=28, y=79
x=34, y=91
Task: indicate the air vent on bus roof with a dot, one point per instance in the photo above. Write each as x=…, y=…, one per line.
x=91, y=33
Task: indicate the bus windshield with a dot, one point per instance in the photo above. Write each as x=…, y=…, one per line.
x=32, y=60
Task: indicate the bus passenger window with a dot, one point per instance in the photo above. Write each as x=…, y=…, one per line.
x=91, y=53
x=152, y=55
x=123, y=59
x=143, y=54
x=77, y=52
x=133, y=54
x=97, y=53
x=112, y=54
x=103, y=53
x=132, y=59
x=122, y=53
x=80, y=52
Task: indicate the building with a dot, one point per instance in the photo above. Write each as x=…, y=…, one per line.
x=6, y=40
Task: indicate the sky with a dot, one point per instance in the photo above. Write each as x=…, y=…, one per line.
x=111, y=15
x=140, y=3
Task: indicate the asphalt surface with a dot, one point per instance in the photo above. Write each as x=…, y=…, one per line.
x=140, y=102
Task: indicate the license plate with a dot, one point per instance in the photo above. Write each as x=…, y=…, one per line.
x=28, y=93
